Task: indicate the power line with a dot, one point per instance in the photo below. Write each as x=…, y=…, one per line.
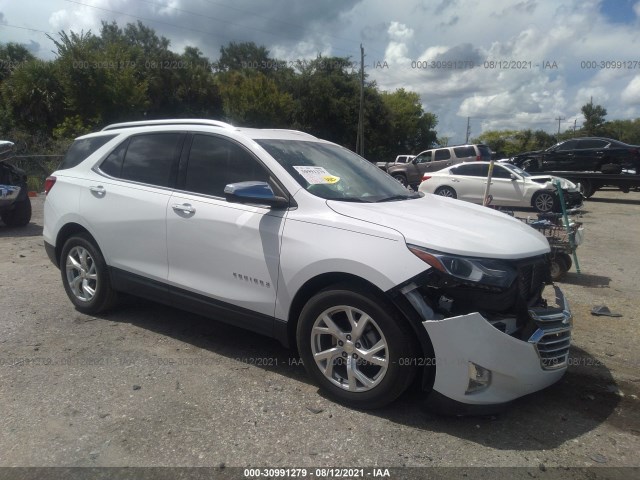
x=26, y=28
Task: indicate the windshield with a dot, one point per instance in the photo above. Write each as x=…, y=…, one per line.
x=515, y=169
x=335, y=173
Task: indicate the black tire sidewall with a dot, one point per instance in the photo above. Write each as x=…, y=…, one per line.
x=400, y=346
x=400, y=178
x=103, y=290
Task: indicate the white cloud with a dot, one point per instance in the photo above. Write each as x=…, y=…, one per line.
x=631, y=94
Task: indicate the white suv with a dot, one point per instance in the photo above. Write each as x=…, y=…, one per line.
x=300, y=239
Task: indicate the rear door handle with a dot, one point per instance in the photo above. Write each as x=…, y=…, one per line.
x=184, y=208
x=98, y=190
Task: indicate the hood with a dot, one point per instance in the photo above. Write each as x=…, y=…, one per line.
x=548, y=181
x=451, y=226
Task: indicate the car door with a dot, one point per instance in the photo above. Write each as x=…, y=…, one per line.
x=469, y=180
x=504, y=189
x=441, y=159
x=561, y=158
x=220, y=253
x=125, y=199
x=590, y=154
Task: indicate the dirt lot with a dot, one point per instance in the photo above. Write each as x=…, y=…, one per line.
x=151, y=386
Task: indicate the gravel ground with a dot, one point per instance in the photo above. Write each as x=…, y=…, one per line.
x=147, y=385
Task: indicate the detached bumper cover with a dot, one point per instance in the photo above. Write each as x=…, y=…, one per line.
x=517, y=367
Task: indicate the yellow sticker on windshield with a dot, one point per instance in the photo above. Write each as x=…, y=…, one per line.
x=331, y=179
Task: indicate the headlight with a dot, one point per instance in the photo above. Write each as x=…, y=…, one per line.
x=486, y=271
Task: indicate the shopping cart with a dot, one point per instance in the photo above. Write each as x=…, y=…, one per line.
x=563, y=241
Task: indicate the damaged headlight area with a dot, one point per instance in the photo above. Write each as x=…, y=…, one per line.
x=481, y=271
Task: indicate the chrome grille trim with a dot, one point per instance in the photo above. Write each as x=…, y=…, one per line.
x=552, y=339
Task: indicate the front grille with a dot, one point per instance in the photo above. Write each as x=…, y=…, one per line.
x=553, y=347
x=553, y=335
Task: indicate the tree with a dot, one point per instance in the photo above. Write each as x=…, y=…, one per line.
x=411, y=128
x=594, y=118
x=11, y=56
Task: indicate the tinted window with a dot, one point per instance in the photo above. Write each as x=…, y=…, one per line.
x=500, y=172
x=582, y=144
x=150, y=158
x=443, y=154
x=568, y=145
x=424, y=157
x=215, y=162
x=81, y=149
x=112, y=165
x=471, y=170
x=463, y=152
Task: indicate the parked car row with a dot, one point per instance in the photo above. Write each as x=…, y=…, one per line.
x=434, y=159
x=300, y=239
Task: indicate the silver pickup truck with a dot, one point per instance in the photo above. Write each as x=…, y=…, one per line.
x=399, y=159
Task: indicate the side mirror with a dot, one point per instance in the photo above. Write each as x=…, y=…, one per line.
x=255, y=193
x=513, y=176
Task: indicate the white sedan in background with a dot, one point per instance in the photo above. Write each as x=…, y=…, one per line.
x=510, y=186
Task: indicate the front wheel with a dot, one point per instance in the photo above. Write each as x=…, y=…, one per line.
x=85, y=276
x=544, y=201
x=355, y=349
x=560, y=266
x=446, y=192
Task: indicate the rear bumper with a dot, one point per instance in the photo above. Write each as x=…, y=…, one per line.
x=8, y=195
x=516, y=367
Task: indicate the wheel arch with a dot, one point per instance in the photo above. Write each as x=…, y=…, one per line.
x=394, y=300
x=66, y=232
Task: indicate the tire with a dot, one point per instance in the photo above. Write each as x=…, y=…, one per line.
x=85, y=275
x=567, y=260
x=586, y=189
x=346, y=375
x=545, y=201
x=559, y=267
x=19, y=215
x=401, y=178
x=446, y=192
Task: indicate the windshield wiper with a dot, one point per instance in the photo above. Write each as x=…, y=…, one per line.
x=349, y=199
x=399, y=197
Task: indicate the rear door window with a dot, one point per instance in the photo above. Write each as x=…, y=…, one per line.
x=442, y=154
x=148, y=158
x=82, y=149
x=592, y=143
x=471, y=170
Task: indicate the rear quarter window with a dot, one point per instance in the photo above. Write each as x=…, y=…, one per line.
x=82, y=149
x=464, y=152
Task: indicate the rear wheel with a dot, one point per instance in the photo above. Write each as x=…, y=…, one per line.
x=19, y=215
x=446, y=192
x=354, y=347
x=586, y=189
x=544, y=201
x=85, y=276
x=401, y=178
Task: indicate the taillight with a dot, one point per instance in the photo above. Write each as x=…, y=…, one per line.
x=425, y=177
x=48, y=184
x=478, y=158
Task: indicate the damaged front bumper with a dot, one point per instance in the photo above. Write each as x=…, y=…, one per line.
x=478, y=364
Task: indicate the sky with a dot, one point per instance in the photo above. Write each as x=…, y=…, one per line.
x=504, y=64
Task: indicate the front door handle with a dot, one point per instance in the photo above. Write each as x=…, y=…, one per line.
x=184, y=208
x=98, y=190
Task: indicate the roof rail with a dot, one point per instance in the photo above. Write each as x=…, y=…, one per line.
x=176, y=121
x=296, y=132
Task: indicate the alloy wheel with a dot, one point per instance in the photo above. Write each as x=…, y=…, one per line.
x=82, y=275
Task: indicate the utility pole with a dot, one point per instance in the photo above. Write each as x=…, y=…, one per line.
x=468, y=129
x=360, y=135
x=559, y=120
